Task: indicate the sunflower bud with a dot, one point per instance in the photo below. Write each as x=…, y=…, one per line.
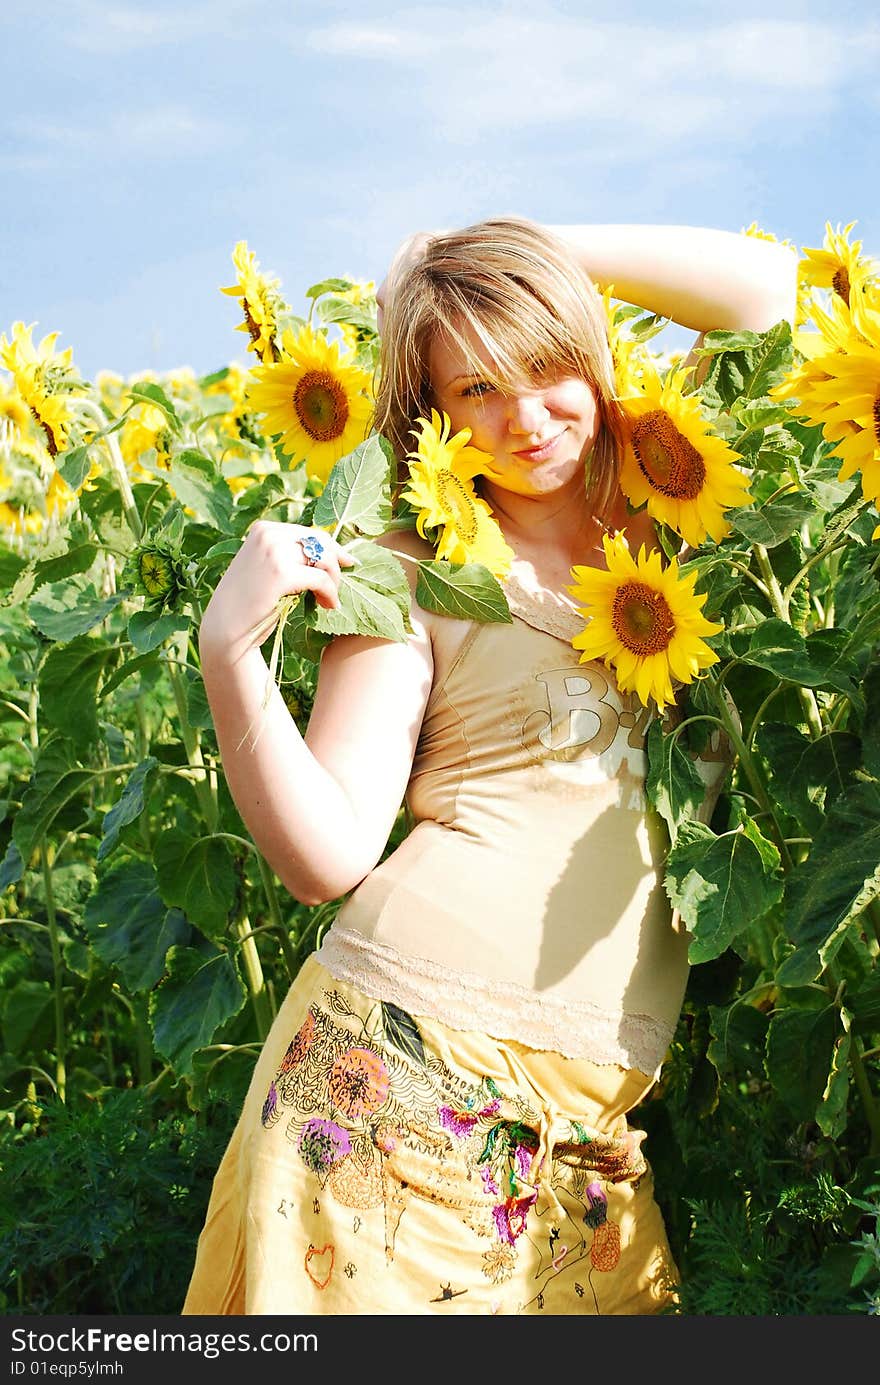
x=157, y=570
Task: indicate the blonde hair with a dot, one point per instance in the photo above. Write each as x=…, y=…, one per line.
x=523, y=295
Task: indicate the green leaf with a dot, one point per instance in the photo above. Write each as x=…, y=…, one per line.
x=198, y=711
x=673, y=785
x=201, y=992
x=56, y=781
x=717, y=577
x=27, y=1017
x=63, y=610
x=333, y=309
x=864, y=1003
x=127, y=670
x=300, y=636
x=130, y=926
x=198, y=876
x=129, y=805
x=196, y=484
x=871, y=724
x=831, y=1112
x=12, y=565
x=800, y=1052
x=466, y=591
x=803, y=775
x=11, y=867
x=739, y=1034
x=838, y=880
x=819, y=661
x=68, y=685
x=770, y=361
x=774, y=522
x=329, y=286
x=719, y=341
x=836, y=525
x=721, y=884
x=149, y=393
x=746, y=365
x=358, y=490
x=74, y=466
x=374, y=597
x=402, y=1031
x=75, y=560
x=148, y=629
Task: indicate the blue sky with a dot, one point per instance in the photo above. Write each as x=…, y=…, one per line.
x=139, y=142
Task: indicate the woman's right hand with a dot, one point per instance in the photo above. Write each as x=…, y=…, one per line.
x=270, y=564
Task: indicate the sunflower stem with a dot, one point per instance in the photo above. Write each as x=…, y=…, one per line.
x=190, y=739
x=57, y=974
x=779, y=601
x=117, y=466
x=754, y=778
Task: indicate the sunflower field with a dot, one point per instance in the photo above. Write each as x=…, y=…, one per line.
x=145, y=945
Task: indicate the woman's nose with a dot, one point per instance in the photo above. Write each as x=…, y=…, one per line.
x=527, y=412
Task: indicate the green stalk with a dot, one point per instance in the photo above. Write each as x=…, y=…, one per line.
x=207, y=799
x=745, y=757
x=780, y=604
x=117, y=466
x=863, y=1086
x=143, y=1039
x=255, y=979
x=856, y=1063
x=278, y=922
x=57, y=976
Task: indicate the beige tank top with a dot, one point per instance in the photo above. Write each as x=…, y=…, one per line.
x=527, y=902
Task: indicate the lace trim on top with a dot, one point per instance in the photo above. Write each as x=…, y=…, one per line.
x=551, y=612
x=503, y=1009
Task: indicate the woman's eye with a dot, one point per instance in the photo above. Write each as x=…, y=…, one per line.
x=476, y=390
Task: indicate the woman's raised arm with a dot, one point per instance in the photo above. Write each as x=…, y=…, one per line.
x=320, y=808
x=701, y=278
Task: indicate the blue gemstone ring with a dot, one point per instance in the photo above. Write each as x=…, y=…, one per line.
x=313, y=549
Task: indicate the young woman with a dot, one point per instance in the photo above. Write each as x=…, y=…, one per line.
x=438, y=1120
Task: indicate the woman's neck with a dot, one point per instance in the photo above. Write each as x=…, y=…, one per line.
x=560, y=526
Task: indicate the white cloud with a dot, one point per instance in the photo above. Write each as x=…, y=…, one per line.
x=624, y=80
x=116, y=29
x=165, y=130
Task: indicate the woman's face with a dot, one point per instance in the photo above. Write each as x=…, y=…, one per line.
x=540, y=436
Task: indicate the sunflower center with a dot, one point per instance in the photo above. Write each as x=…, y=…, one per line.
x=840, y=283
x=671, y=463
x=457, y=504
x=268, y=352
x=51, y=442
x=321, y=405
x=642, y=619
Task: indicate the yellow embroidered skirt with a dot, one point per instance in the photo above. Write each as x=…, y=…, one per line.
x=385, y=1164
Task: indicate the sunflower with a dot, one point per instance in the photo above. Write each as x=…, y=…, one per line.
x=628, y=356
x=441, y=474
x=644, y=621
x=314, y=398
x=261, y=303
x=145, y=428
x=839, y=390
x=845, y=400
x=837, y=263
x=673, y=461
x=45, y=379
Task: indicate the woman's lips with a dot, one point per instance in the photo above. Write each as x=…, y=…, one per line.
x=543, y=450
